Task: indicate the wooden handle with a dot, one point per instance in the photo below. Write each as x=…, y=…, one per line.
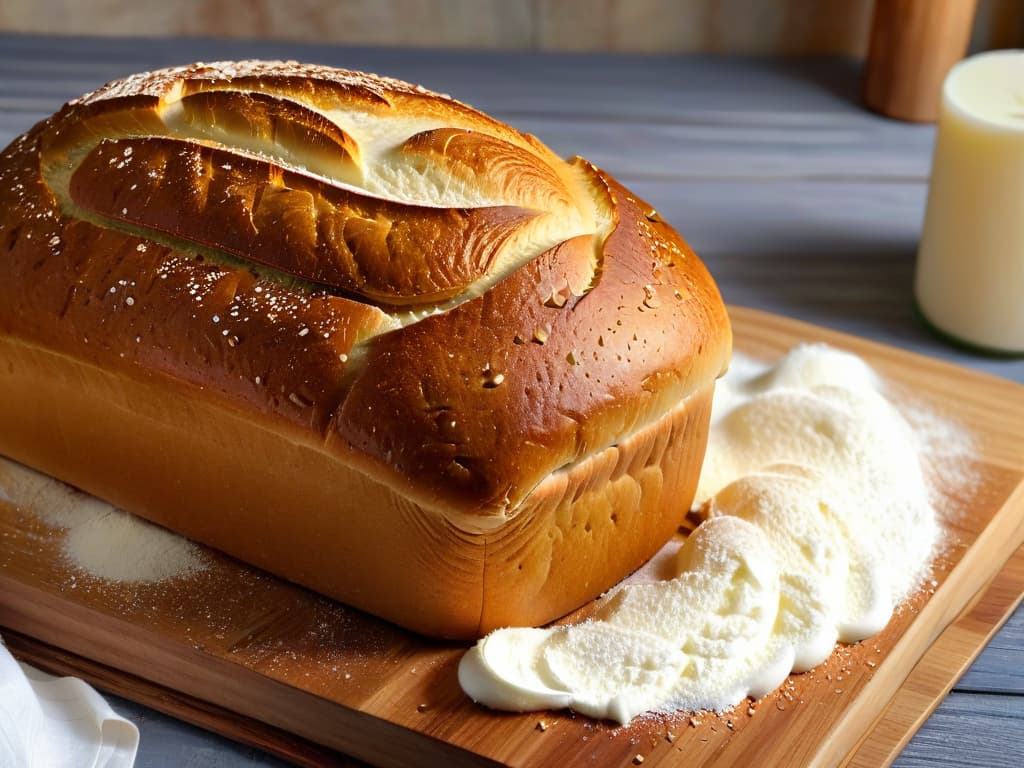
x=913, y=45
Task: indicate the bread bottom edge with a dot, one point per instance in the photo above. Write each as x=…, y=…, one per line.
x=229, y=482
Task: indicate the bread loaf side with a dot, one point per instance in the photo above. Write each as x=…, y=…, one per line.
x=356, y=333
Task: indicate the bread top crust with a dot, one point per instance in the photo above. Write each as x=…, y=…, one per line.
x=378, y=270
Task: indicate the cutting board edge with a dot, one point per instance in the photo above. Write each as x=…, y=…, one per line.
x=112, y=646
x=903, y=715
x=955, y=597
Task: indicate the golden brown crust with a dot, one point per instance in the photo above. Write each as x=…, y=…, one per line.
x=380, y=250
x=134, y=305
x=421, y=296
x=133, y=441
x=562, y=368
x=328, y=88
x=300, y=134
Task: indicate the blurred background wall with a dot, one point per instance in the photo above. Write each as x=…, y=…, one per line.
x=636, y=26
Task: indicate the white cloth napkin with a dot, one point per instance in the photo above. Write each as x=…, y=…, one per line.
x=58, y=722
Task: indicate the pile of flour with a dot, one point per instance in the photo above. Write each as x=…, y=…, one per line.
x=818, y=521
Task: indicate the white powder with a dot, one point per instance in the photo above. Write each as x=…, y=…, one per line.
x=99, y=539
x=947, y=452
x=818, y=521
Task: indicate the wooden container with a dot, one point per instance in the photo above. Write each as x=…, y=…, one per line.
x=913, y=45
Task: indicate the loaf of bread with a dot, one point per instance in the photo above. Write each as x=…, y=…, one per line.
x=355, y=333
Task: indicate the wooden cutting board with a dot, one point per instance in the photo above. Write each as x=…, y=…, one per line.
x=266, y=662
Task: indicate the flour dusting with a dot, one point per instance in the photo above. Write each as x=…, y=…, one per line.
x=100, y=539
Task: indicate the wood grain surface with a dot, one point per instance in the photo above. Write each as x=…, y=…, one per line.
x=236, y=639
x=930, y=680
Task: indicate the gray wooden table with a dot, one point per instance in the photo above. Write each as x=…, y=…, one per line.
x=799, y=201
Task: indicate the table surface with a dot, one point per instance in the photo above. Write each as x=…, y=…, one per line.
x=800, y=202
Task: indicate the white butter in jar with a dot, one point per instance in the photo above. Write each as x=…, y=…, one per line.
x=970, y=268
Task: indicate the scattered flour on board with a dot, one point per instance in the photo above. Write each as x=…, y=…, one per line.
x=946, y=450
x=101, y=540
